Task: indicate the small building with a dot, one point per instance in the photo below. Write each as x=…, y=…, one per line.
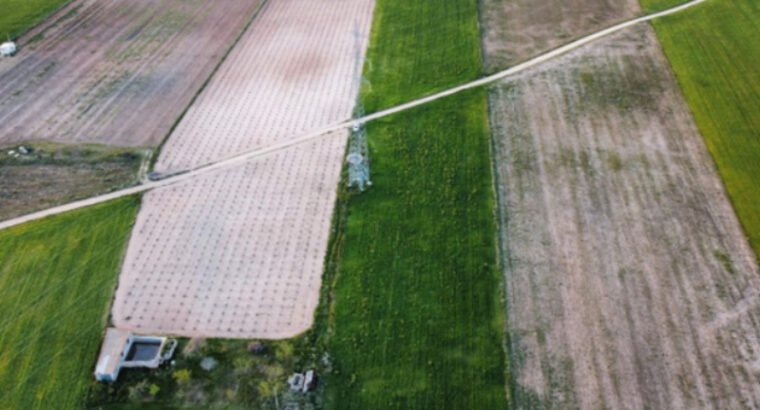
x=122, y=348
x=303, y=383
x=7, y=49
x=295, y=381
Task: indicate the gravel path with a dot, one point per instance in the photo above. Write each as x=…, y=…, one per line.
x=241, y=158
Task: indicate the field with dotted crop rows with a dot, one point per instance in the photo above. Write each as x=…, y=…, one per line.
x=246, y=246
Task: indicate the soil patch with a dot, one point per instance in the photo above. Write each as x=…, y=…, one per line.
x=117, y=72
x=630, y=282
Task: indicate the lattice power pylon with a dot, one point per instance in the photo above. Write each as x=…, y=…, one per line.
x=358, y=149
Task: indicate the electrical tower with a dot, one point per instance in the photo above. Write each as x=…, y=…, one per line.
x=358, y=149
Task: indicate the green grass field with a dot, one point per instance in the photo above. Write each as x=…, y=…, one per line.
x=18, y=15
x=714, y=50
x=418, y=317
x=653, y=6
x=417, y=320
x=418, y=47
x=57, y=278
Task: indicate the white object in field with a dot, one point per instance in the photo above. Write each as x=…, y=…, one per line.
x=310, y=381
x=7, y=49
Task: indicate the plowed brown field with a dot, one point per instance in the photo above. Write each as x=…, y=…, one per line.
x=630, y=282
x=115, y=72
x=515, y=30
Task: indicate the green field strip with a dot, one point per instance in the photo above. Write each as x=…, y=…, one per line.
x=417, y=319
x=418, y=48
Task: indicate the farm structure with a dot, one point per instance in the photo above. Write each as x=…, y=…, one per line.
x=630, y=282
x=118, y=72
x=123, y=349
x=239, y=253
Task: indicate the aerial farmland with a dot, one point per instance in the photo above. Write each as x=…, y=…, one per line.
x=307, y=204
x=99, y=86
x=625, y=178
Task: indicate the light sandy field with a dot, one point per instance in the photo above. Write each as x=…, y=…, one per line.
x=515, y=30
x=240, y=253
x=291, y=73
x=115, y=72
x=234, y=254
x=630, y=282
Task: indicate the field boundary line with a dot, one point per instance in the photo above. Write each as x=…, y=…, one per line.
x=241, y=158
x=202, y=88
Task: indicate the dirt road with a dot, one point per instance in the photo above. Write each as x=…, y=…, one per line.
x=241, y=158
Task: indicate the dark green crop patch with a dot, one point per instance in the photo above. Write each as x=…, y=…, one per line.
x=418, y=48
x=418, y=316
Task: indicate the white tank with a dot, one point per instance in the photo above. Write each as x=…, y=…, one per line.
x=7, y=49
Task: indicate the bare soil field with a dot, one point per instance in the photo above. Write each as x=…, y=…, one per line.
x=52, y=174
x=291, y=73
x=515, y=30
x=117, y=72
x=630, y=282
x=247, y=245
x=235, y=254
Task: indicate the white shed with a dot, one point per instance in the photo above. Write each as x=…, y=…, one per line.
x=7, y=49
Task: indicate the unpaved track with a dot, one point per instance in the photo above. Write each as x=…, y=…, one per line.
x=115, y=72
x=241, y=158
x=239, y=253
x=630, y=282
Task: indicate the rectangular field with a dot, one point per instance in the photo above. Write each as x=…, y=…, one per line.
x=57, y=276
x=118, y=72
x=417, y=321
x=240, y=253
x=630, y=282
x=714, y=50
